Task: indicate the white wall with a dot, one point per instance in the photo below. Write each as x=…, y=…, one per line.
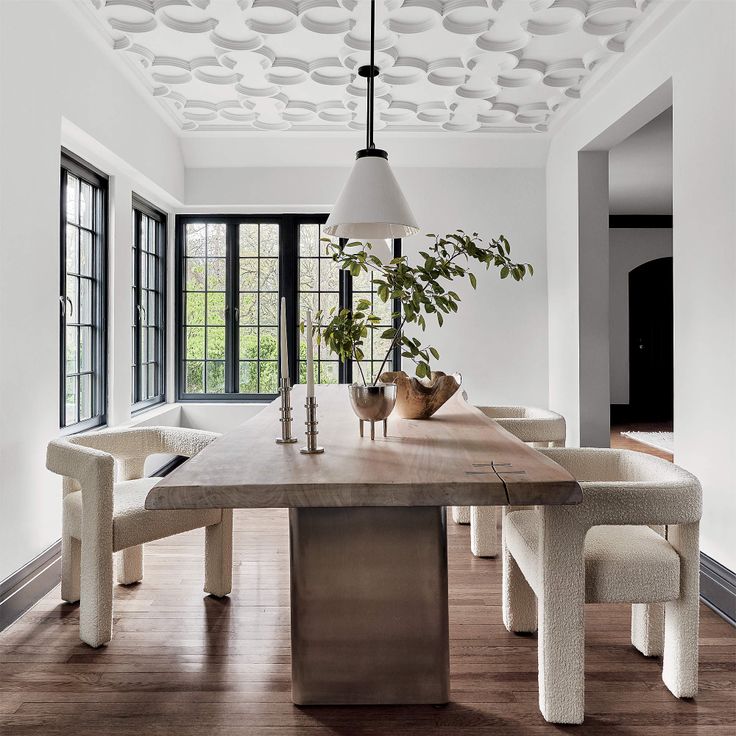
x=630, y=247
x=593, y=255
x=498, y=340
x=61, y=89
x=696, y=52
x=640, y=170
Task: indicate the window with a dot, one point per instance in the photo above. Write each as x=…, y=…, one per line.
x=233, y=269
x=376, y=347
x=149, y=305
x=82, y=294
x=319, y=288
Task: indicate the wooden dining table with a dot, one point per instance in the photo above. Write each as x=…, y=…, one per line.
x=367, y=525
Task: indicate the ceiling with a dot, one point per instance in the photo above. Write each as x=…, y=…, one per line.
x=452, y=65
x=640, y=170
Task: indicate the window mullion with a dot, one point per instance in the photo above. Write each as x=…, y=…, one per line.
x=345, y=370
x=62, y=300
x=289, y=288
x=137, y=305
x=396, y=307
x=232, y=385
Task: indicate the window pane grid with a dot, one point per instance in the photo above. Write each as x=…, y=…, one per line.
x=82, y=300
x=231, y=280
x=319, y=289
x=258, y=308
x=148, y=307
x=204, y=316
x=374, y=346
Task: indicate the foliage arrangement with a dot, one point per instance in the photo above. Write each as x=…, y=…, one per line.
x=421, y=291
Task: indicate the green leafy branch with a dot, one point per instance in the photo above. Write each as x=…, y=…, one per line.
x=422, y=291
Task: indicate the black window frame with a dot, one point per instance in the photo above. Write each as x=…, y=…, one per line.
x=72, y=164
x=288, y=287
x=141, y=207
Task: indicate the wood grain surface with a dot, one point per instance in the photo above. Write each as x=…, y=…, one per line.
x=458, y=457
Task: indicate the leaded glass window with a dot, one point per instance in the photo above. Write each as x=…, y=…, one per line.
x=148, y=305
x=233, y=270
x=82, y=294
x=319, y=289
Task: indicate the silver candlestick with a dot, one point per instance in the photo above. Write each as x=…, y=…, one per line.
x=286, y=418
x=311, y=424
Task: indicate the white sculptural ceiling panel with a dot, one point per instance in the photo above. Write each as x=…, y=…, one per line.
x=454, y=65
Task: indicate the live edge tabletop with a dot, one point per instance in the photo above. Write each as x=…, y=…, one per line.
x=459, y=457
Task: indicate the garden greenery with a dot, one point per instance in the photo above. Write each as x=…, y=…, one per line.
x=422, y=292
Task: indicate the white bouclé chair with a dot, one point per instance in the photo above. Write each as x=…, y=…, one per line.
x=633, y=539
x=538, y=427
x=103, y=513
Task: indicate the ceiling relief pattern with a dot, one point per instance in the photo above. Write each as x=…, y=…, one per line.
x=454, y=65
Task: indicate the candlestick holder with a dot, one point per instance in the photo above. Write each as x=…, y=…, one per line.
x=286, y=418
x=311, y=424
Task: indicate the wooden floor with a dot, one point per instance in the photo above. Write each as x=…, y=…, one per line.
x=626, y=443
x=184, y=664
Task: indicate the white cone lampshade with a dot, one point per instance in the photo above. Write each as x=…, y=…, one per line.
x=371, y=204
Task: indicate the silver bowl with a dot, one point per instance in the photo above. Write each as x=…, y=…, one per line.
x=373, y=403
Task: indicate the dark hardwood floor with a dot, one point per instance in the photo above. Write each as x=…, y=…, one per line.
x=184, y=664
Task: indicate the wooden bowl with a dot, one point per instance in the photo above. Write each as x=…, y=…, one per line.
x=417, y=399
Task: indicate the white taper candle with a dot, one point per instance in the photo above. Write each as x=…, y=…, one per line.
x=310, y=354
x=284, y=348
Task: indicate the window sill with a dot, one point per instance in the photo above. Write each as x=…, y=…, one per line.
x=144, y=406
x=226, y=399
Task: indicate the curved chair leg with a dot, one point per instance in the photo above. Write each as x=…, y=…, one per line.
x=519, y=602
x=561, y=649
x=71, y=550
x=483, y=535
x=461, y=514
x=680, y=666
x=647, y=628
x=130, y=565
x=218, y=556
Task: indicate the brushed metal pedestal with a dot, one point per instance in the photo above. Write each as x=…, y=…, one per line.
x=369, y=616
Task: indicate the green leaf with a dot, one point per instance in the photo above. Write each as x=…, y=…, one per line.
x=473, y=280
x=435, y=353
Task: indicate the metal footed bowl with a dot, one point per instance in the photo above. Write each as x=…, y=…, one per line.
x=373, y=403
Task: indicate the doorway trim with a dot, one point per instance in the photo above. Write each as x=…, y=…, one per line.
x=593, y=264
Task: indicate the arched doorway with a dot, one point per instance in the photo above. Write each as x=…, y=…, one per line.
x=651, y=341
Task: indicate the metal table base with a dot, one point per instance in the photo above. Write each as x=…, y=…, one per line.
x=369, y=615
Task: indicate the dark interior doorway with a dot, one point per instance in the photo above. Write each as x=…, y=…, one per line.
x=650, y=342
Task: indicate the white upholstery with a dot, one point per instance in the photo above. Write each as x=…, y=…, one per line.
x=538, y=427
x=104, y=512
x=623, y=564
x=132, y=524
x=610, y=548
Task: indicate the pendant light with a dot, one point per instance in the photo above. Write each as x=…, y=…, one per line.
x=371, y=204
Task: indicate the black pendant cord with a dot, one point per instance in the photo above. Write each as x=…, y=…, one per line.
x=370, y=88
x=370, y=72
